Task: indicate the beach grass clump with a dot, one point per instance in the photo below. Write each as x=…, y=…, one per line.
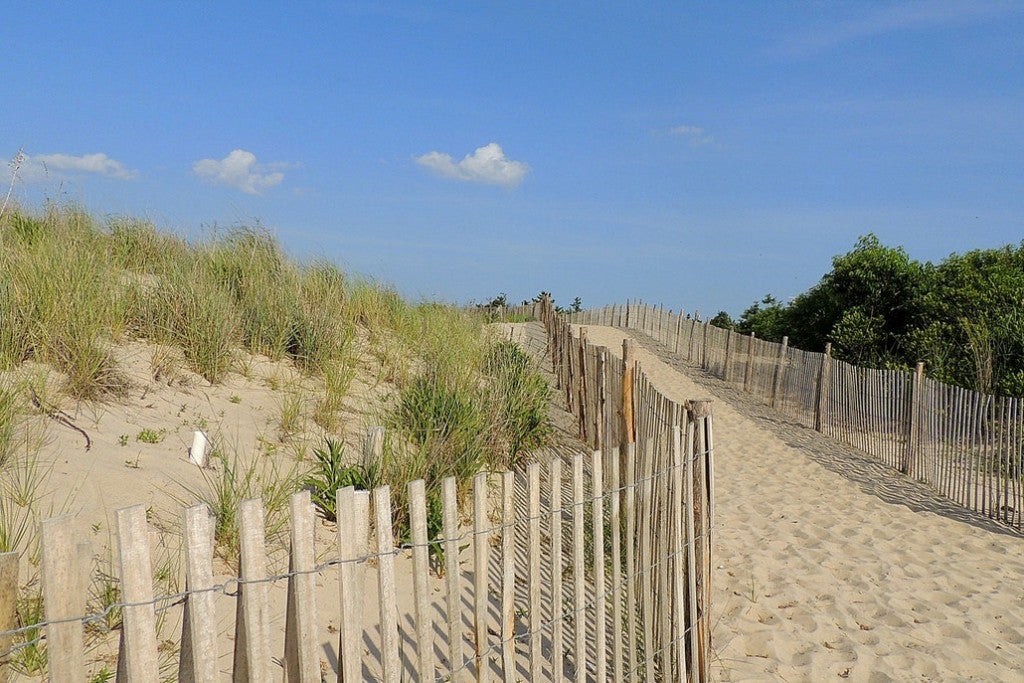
x=58, y=302
x=192, y=311
x=522, y=396
x=234, y=479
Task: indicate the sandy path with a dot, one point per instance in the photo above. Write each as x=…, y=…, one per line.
x=824, y=573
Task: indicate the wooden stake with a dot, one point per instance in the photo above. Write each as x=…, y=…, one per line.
x=421, y=579
x=64, y=590
x=453, y=576
x=198, y=657
x=252, y=658
x=137, y=659
x=824, y=385
x=8, y=607
x=481, y=546
x=780, y=365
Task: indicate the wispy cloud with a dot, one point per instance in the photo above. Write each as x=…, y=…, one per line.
x=488, y=164
x=695, y=136
x=897, y=17
x=241, y=171
x=41, y=166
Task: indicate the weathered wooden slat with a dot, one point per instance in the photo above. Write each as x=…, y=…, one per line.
x=453, y=575
x=252, y=658
x=421, y=579
x=8, y=607
x=137, y=660
x=301, y=662
x=353, y=521
x=481, y=552
x=508, y=578
x=198, y=657
x=64, y=590
x=390, y=656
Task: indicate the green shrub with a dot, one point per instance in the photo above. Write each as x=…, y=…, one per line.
x=330, y=473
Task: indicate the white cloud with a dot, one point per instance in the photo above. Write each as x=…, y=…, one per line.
x=40, y=166
x=240, y=170
x=487, y=164
x=695, y=135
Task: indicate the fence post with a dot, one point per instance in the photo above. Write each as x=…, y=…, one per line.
x=914, y=428
x=453, y=577
x=387, y=600
x=8, y=606
x=301, y=662
x=779, y=369
x=535, y=576
x=689, y=343
x=704, y=348
x=628, y=431
x=198, y=657
x=600, y=609
x=137, y=658
x=824, y=386
x=64, y=588
x=582, y=366
x=749, y=370
x=353, y=526
x=703, y=503
x=252, y=619
x=421, y=578
x=728, y=353
x=679, y=331
x=579, y=650
x=601, y=399
x=508, y=578
x=481, y=599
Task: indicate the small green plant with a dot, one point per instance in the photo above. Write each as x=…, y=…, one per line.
x=123, y=440
x=331, y=473
x=235, y=480
x=151, y=436
x=30, y=659
x=290, y=422
x=105, y=593
x=235, y=398
x=337, y=379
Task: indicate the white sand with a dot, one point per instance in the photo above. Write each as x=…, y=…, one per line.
x=822, y=573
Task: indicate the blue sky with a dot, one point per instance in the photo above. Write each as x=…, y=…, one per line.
x=694, y=154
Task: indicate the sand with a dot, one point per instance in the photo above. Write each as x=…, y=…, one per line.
x=832, y=567
x=827, y=565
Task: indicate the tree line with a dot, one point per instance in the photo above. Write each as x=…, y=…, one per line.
x=963, y=317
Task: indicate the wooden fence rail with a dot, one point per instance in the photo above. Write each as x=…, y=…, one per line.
x=966, y=445
x=583, y=567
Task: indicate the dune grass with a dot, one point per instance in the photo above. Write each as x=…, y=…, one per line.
x=72, y=287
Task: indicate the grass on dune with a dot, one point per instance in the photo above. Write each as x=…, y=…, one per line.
x=72, y=287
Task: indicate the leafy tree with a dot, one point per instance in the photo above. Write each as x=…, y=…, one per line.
x=767, y=319
x=975, y=312
x=883, y=283
x=723, y=320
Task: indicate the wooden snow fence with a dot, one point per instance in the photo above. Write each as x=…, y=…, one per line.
x=664, y=453
x=580, y=567
x=966, y=445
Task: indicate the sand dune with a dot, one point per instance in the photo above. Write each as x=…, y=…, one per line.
x=832, y=567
